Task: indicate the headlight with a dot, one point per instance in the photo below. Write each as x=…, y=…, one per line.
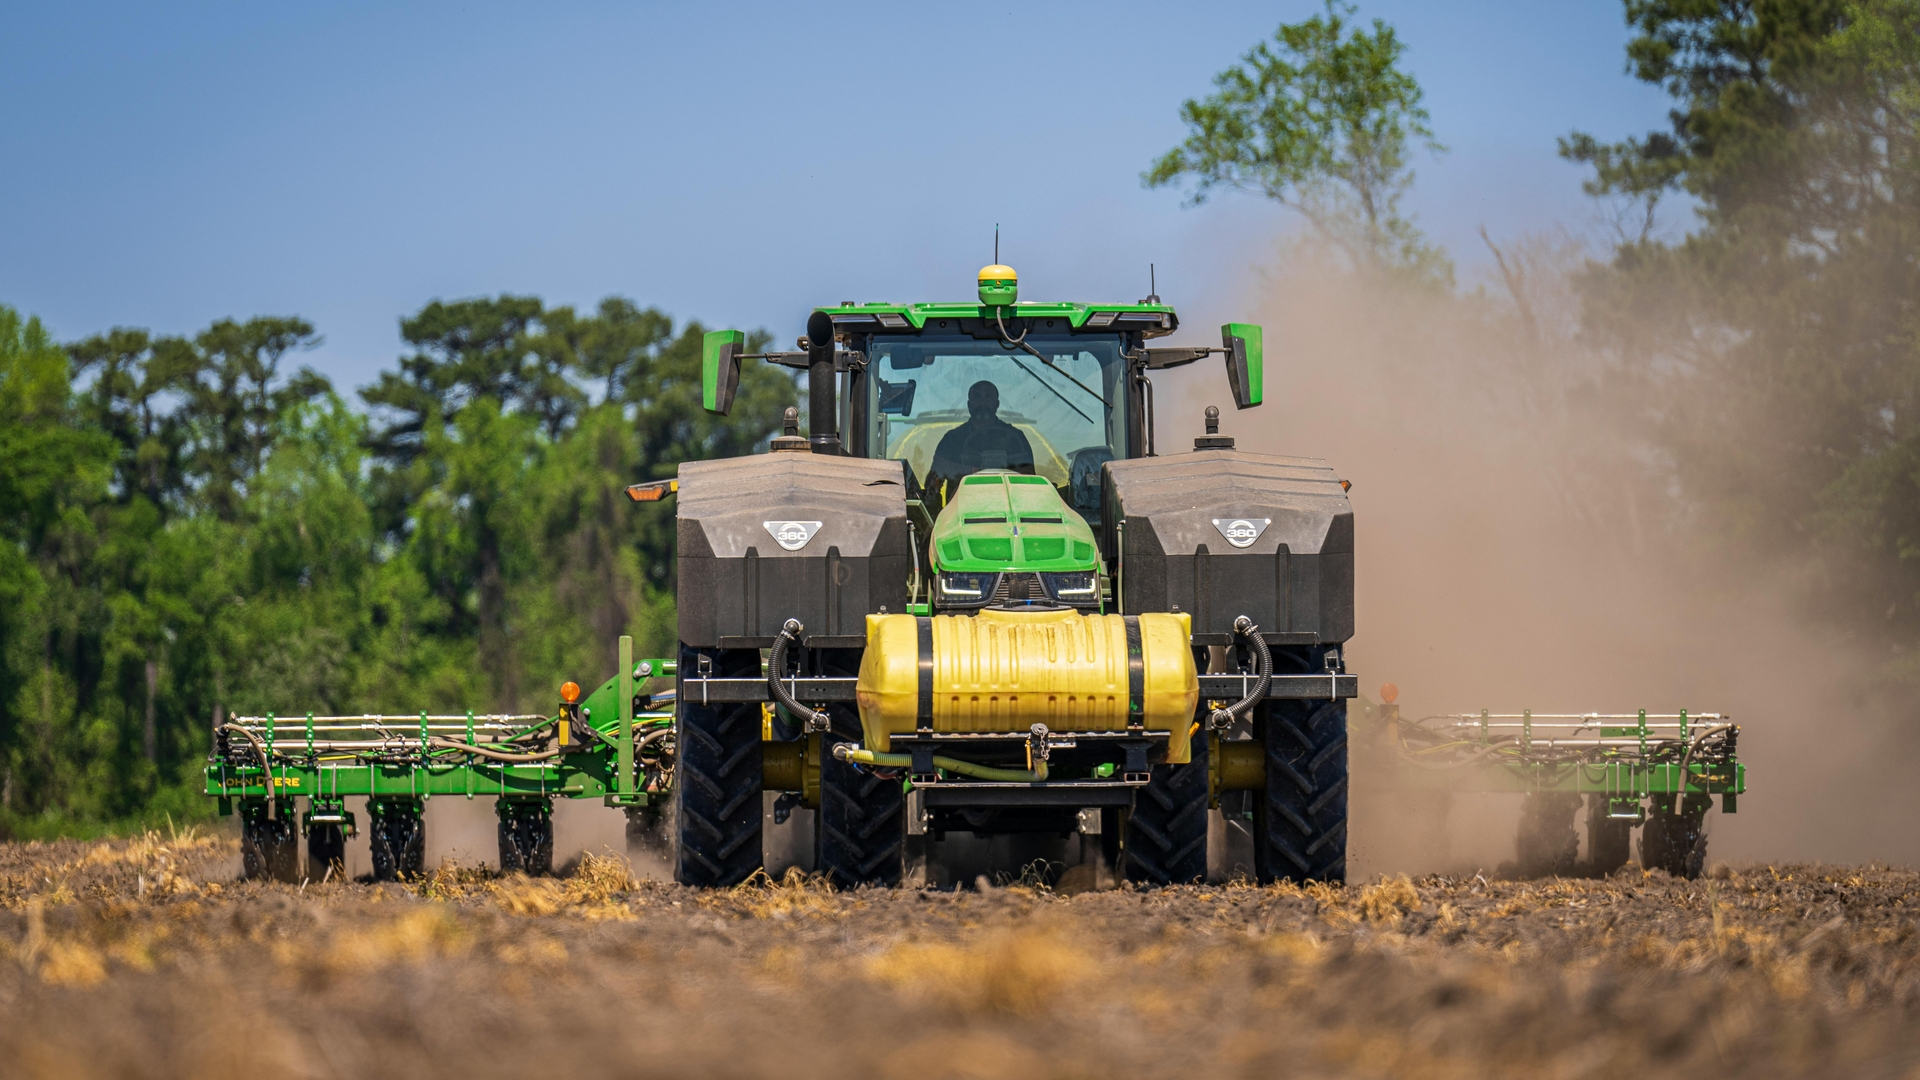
x=966, y=589
x=1078, y=587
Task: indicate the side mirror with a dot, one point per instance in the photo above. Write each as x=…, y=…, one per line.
x=720, y=369
x=1245, y=374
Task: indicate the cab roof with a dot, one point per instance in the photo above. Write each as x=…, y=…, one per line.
x=1152, y=320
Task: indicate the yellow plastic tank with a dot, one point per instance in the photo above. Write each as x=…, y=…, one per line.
x=1008, y=670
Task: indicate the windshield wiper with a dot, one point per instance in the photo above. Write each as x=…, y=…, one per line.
x=1049, y=386
x=1008, y=341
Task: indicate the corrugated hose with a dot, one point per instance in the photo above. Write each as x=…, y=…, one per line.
x=1221, y=719
x=812, y=719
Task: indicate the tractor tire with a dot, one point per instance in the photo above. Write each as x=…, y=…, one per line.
x=1300, y=820
x=1167, y=832
x=1547, y=845
x=716, y=790
x=398, y=838
x=326, y=848
x=526, y=836
x=269, y=844
x=1609, y=839
x=860, y=831
x=1676, y=843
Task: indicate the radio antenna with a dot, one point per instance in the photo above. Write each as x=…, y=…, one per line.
x=996, y=243
x=1153, y=287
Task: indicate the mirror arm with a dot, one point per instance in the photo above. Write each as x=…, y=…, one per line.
x=1161, y=359
x=843, y=360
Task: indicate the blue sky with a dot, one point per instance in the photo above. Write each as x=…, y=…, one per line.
x=173, y=164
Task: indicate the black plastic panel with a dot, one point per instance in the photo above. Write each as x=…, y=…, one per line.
x=738, y=584
x=1169, y=522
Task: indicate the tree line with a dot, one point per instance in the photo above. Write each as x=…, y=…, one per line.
x=199, y=526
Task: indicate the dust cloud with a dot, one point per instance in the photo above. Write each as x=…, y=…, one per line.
x=1515, y=551
x=465, y=832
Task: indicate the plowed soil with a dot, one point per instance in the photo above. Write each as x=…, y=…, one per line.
x=145, y=958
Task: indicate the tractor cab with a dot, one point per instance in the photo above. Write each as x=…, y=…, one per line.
x=1002, y=414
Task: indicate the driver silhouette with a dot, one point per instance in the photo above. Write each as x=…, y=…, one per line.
x=984, y=442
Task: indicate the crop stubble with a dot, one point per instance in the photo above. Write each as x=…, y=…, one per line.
x=142, y=958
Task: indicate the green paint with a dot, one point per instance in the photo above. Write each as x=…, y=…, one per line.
x=602, y=770
x=1007, y=521
x=720, y=368
x=1246, y=363
x=1076, y=316
x=999, y=292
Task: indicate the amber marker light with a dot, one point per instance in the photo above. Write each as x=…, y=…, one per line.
x=653, y=492
x=569, y=692
x=1389, y=693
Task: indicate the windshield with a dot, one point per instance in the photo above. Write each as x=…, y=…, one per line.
x=953, y=406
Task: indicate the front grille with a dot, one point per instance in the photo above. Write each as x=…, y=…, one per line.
x=1018, y=588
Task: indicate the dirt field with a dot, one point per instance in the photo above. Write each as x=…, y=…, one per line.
x=143, y=958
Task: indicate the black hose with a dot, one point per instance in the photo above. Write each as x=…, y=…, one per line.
x=439, y=743
x=1220, y=719
x=811, y=719
x=266, y=762
x=1686, y=760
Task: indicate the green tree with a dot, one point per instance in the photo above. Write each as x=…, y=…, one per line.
x=51, y=470
x=188, y=529
x=128, y=374
x=1779, y=342
x=1319, y=120
x=464, y=351
x=236, y=401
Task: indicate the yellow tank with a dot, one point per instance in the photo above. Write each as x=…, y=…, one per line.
x=1008, y=670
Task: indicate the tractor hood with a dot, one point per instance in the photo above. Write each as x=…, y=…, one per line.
x=1002, y=520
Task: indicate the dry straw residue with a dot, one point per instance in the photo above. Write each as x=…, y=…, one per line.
x=1006, y=971
x=794, y=894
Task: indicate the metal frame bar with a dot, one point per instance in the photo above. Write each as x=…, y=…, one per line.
x=822, y=688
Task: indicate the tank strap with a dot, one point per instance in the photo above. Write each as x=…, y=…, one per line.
x=924, y=626
x=1136, y=675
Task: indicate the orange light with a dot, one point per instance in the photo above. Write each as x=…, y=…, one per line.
x=1346, y=485
x=569, y=692
x=1389, y=693
x=653, y=492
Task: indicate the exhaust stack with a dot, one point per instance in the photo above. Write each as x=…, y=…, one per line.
x=823, y=431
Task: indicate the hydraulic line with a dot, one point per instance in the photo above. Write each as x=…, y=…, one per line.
x=266, y=763
x=848, y=753
x=811, y=719
x=1221, y=719
x=488, y=752
x=1687, y=759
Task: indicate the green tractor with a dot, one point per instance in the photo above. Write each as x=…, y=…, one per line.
x=972, y=598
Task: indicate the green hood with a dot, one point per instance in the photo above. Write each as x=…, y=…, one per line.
x=1008, y=521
